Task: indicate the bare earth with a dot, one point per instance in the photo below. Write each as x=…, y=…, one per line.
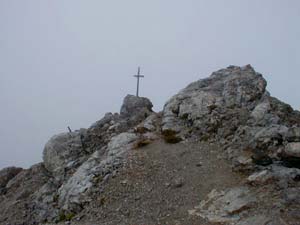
x=159, y=184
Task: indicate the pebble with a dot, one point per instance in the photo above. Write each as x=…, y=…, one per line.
x=179, y=182
x=199, y=164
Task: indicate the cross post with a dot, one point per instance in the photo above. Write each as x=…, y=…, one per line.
x=138, y=76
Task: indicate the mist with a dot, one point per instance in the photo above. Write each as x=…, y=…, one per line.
x=67, y=63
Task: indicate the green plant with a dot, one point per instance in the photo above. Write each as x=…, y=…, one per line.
x=170, y=136
x=102, y=201
x=55, y=198
x=141, y=143
x=141, y=130
x=185, y=116
x=66, y=216
x=169, y=132
x=204, y=137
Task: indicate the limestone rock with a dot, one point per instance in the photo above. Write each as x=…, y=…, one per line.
x=292, y=195
x=276, y=174
x=261, y=177
x=232, y=107
x=150, y=123
x=7, y=174
x=256, y=220
x=74, y=192
x=225, y=206
x=292, y=149
x=293, y=134
x=133, y=106
x=16, y=205
x=63, y=152
x=226, y=88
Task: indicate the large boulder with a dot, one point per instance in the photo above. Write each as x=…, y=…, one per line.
x=136, y=106
x=74, y=192
x=234, y=87
x=134, y=110
x=64, y=152
x=233, y=106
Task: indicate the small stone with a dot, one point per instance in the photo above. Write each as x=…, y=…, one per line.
x=199, y=164
x=124, y=182
x=114, y=173
x=261, y=177
x=178, y=182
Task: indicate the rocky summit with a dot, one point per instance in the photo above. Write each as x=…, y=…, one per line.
x=222, y=151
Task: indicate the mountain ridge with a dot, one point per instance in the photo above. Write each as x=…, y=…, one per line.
x=229, y=118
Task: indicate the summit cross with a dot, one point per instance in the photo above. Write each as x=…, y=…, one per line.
x=138, y=76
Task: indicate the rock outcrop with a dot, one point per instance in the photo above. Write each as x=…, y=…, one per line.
x=6, y=175
x=258, y=134
x=233, y=107
x=64, y=152
x=136, y=106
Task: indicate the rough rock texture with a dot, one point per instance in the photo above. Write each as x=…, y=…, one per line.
x=225, y=206
x=233, y=107
x=64, y=152
x=133, y=106
x=6, y=175
x=227, y=118
x=73, y=193
x=16, y=204
x=201, y=103
x=74, y=164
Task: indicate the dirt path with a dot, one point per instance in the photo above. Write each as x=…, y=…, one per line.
x=159, y=184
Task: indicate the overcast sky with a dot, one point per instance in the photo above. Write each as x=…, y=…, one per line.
x=67, y=62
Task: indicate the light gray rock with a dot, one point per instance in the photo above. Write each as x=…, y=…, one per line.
x=292, y=195
x=106, y=120
x=7, y=174
x=256, y=220
x=275, y=174
x=260, y=178
x=292, y=149
x=17, y=205
x=231, y=87
x=133, y=106
x=150, y=122
x=266, y=138
x=225, y=206
x=260, y=111
x=120, y=140
x=293, y=134
x=74, y=191
x=44, y=202
x=63, y=152
x=284, y=174
x=233, y=105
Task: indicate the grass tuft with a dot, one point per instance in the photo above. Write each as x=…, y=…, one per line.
x=141, y=143
x=170, y=136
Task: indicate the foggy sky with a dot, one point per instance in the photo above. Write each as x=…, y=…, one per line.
x=65, y=63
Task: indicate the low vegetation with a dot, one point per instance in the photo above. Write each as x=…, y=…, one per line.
x=66, y=216
x=170, y=136
x=141, y=143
